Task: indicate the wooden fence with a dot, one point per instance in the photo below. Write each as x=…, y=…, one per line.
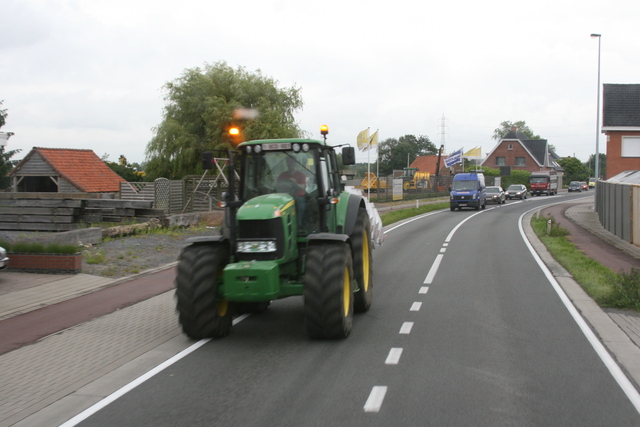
x=21, y=212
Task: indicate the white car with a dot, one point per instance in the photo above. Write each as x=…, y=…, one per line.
x=4, y=260
x=516, y=191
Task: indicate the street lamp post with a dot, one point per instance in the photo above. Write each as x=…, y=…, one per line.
x=597, y=160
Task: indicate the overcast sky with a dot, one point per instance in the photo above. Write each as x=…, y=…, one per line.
x=89, y=73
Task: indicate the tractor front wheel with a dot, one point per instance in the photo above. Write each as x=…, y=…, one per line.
x=328, y=292
x=362, y=262
x=201, y=311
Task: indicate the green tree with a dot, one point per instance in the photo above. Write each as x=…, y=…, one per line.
x=602, y=167
x=128, y=172
x=574, y=169
x=6, y=164
x=506, y=126
x=399, y=153
x=203, y=103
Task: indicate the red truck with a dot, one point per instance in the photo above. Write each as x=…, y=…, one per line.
x=543, y=183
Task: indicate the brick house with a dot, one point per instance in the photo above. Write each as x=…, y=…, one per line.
x=621, y=125
x=430, y=164
x=63, y=170
x=515, y=149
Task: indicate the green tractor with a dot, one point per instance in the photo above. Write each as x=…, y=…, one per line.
x=290, y=229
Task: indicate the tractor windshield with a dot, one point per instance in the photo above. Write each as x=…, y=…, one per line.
x=279, y=172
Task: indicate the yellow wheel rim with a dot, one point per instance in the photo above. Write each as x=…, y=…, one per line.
x=223, y=307
x=346, y=291
x=365, y=261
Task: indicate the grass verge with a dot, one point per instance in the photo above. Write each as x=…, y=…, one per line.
x=606, y=287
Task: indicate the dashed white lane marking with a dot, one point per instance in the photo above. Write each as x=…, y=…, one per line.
x=374, y=402
x=415, y=306
x=394, y=356
x=406, y=328
x=433, y=270
x=443, y=250
x=423, y=289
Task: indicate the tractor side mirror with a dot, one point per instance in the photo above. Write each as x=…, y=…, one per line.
x=348, y=156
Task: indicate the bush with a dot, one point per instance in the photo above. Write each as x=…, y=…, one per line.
x=625, y=291
x=40, y=248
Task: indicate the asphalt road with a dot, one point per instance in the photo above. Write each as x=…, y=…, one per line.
x=465, y=329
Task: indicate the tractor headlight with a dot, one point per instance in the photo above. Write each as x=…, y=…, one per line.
x=256, y=246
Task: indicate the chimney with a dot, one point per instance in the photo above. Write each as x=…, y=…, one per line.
x=513, y=128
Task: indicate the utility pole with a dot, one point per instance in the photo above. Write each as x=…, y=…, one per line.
x=442, y=133
x=442, y=149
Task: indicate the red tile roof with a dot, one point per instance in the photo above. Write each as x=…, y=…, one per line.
x=82, y=168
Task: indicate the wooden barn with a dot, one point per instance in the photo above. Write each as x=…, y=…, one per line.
x=64, y=170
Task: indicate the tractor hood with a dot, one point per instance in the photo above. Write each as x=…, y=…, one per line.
x=267, y=206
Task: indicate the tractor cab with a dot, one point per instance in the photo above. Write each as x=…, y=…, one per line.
x=298, y=175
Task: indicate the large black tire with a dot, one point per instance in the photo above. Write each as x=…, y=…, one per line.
x=201, y=312
x=328, y=291
x=362, y=262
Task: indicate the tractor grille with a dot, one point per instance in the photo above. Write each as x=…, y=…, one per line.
x=262, y=230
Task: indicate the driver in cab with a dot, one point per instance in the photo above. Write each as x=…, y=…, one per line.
x=298, y=182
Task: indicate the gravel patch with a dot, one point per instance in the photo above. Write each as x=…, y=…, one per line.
x=126, y=256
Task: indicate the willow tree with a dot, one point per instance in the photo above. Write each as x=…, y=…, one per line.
x=201, y=105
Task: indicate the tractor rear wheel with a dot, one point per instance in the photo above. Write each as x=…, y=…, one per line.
x=201, y=311
x=362, y=263
x=328, y=291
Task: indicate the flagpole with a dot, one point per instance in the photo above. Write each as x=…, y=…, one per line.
x=369, y=170
x=378, y=165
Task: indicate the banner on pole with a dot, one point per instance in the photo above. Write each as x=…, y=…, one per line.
x=474, y=152
x=373, y=141
x=363, y=140
x=453, y=158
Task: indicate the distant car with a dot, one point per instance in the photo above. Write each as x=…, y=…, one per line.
x=584, y=185
x=495, y=195
x=592, y=182
x=4, y=261
x=575, y=186
x=516, y=191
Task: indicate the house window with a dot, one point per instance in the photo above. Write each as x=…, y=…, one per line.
x=630, y=146
x=510, y=147
x=501, y=161
x=520, y=161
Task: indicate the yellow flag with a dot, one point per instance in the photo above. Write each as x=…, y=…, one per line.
x=363, y=140
x=474, y=152
x=373, y=140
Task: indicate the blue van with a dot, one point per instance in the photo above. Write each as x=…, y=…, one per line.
x=467, y=190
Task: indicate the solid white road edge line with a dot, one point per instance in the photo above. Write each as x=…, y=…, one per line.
x=606, y=358
x=141, y=379
x=413, y=219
